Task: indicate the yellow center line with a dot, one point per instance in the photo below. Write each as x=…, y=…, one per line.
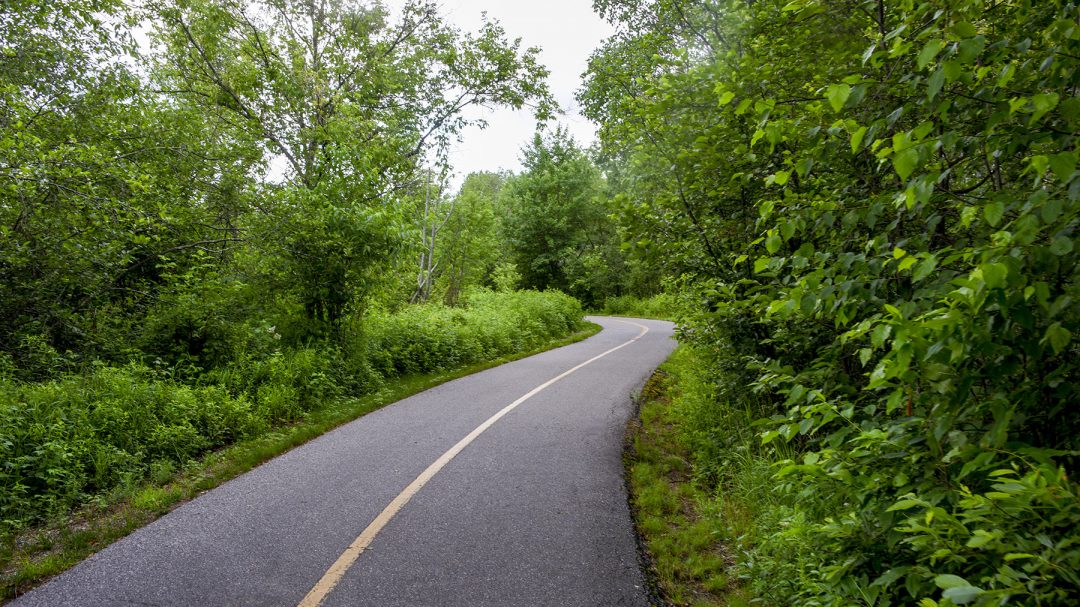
x=333, y=575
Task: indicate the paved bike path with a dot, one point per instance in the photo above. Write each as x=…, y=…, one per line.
x=531, y=512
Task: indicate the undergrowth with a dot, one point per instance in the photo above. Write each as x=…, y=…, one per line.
x=693, y=528
x=660, y=306
x=88, y=457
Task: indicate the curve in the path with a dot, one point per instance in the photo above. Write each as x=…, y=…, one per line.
x=531, y=510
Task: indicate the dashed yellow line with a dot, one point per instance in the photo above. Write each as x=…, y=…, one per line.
x=333, y=575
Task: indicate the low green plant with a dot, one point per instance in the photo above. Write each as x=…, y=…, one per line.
x=67, y=440
x=662, y=306
x=693, y=526
x=41, y=551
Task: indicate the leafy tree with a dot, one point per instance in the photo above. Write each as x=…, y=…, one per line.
x=351, y=103
x=882, y=241
x=101, y=186
x=471, y=245
x=434, y=211
x=555, y=221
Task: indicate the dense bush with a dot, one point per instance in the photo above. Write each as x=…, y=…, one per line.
x=658, y=306
x=81, y=435
x=875, y=207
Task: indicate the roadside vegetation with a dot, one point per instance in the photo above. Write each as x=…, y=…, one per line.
x=90, y=457
x=862, y=215
x=66, y=440
x=869, y=213
x=662, y=306
x=691, y=533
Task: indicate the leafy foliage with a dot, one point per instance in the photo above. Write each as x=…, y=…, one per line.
x=198, y=231
x=67, y=440
x=349, y=101
x=98, y=186
x=663, y=305
x=556, y=223
x=881, y=242
x=472, y=245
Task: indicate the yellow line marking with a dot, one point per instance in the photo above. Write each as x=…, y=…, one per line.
x=330, y=579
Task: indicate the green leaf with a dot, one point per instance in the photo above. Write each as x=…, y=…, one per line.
x=993, y=212
x=890, y=576
x=804, y=166
x=864, y=355
x=726, y=98
x=773, y=242
x=1063, y=165
x=953, y=70
x=963, y=29
x=934, y=83
x=970, y=49
x=838, y=95
x=905, y=162
x=880, y=334
x=1043, y=103
x=787, y=230
x=1016, y=556
x=980, y=539
x=1051, y=210
x=962, y=595
x=1039, y=164
x=925, y=268
x=929, y=51
x=857, y=139
x=1058, y=337
x=1061, y=245
x=761, y=264
x=903, y=505
x=948, y=580
x=994, y=274
x=877, y=376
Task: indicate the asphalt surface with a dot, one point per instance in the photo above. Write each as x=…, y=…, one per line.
x=533, y=512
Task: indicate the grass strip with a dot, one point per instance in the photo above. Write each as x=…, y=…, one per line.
x=686, y=532
x=31, y=557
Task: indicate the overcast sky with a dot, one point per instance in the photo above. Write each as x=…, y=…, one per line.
x=567, y=31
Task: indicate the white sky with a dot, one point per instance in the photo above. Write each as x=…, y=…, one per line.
x=567, y=31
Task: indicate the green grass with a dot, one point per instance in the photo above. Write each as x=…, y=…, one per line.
x=32, y=556
x=690, y=533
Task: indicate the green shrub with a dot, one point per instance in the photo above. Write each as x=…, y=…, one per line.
x=430, y=337
x=68, y=439
x=662, y=306
x=877, y=211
